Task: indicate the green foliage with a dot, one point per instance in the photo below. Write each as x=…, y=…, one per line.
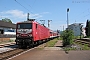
x=76, y=37
x=6, y=20
x=67, y=36
x=68, y=49
x=85, y=47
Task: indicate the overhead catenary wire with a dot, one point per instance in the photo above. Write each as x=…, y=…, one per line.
x=85, y=16
x=29, y=6
x=25, y=7
x=34, y=2
x=83, y=13
x=22, y=6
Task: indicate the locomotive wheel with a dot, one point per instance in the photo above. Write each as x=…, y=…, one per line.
x=38, y=42
x=35, y=43
x=19, y=46
x=31, y=45
x=22, y=46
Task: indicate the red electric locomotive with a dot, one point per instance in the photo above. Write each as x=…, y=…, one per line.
x=30, y=32
x=54, y=34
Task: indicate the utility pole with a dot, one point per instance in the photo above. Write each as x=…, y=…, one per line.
x=49, y=23
x=67, y=17
x=63, y=27
x=28, y=16
x=1, y=16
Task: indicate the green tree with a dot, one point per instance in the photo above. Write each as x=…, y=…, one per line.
x=67, y=36
x=6, y=20
x=87, y=28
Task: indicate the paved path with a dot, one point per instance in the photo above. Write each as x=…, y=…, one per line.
x=59, y=43
x=57, y=46
x=53, y=54
x=37, y=54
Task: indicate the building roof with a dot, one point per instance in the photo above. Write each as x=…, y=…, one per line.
x=7, y=24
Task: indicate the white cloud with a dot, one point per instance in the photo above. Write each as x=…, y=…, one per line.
x=60, y=27
x=35, y=16
x=45, y=13
x=13, y=14
x=18, y=15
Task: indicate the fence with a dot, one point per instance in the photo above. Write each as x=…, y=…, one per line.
x=7, y=36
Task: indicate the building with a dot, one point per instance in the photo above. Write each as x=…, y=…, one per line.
x=6, y=28
x=77, y=28
x=84, y=32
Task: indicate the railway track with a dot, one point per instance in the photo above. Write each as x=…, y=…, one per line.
x=8, y=50
x=8, y=54
x=83, y=41
x=7, y=44
x=15, y=50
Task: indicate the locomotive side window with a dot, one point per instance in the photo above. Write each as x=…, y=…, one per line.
x=24, y=26
x=36, y=26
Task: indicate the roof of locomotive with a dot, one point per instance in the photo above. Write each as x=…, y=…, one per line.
x=36, y=23
x=28, y=21
x=25, y=22
x=32, y=21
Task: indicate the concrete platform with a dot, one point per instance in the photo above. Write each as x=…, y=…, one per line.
x=37, y=54
x=53, y=53
x=53, y=48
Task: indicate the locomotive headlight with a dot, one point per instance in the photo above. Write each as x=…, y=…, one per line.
x=17, y=35
x=17, y=40
x=30, y=35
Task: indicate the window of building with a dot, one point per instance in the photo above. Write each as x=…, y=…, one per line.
x=1, y=31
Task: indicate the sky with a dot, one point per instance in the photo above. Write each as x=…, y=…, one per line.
x=55, y=10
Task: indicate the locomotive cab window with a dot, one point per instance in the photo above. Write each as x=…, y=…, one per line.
x=24, y=26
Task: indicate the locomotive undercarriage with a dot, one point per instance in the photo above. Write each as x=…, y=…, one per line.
x=24, y=42
x=28, y=42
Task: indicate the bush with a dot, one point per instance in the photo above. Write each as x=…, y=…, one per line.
x=67, y=36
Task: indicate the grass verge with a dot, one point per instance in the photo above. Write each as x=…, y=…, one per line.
x=84, y=47
x=7, y=41
x=51, y=43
